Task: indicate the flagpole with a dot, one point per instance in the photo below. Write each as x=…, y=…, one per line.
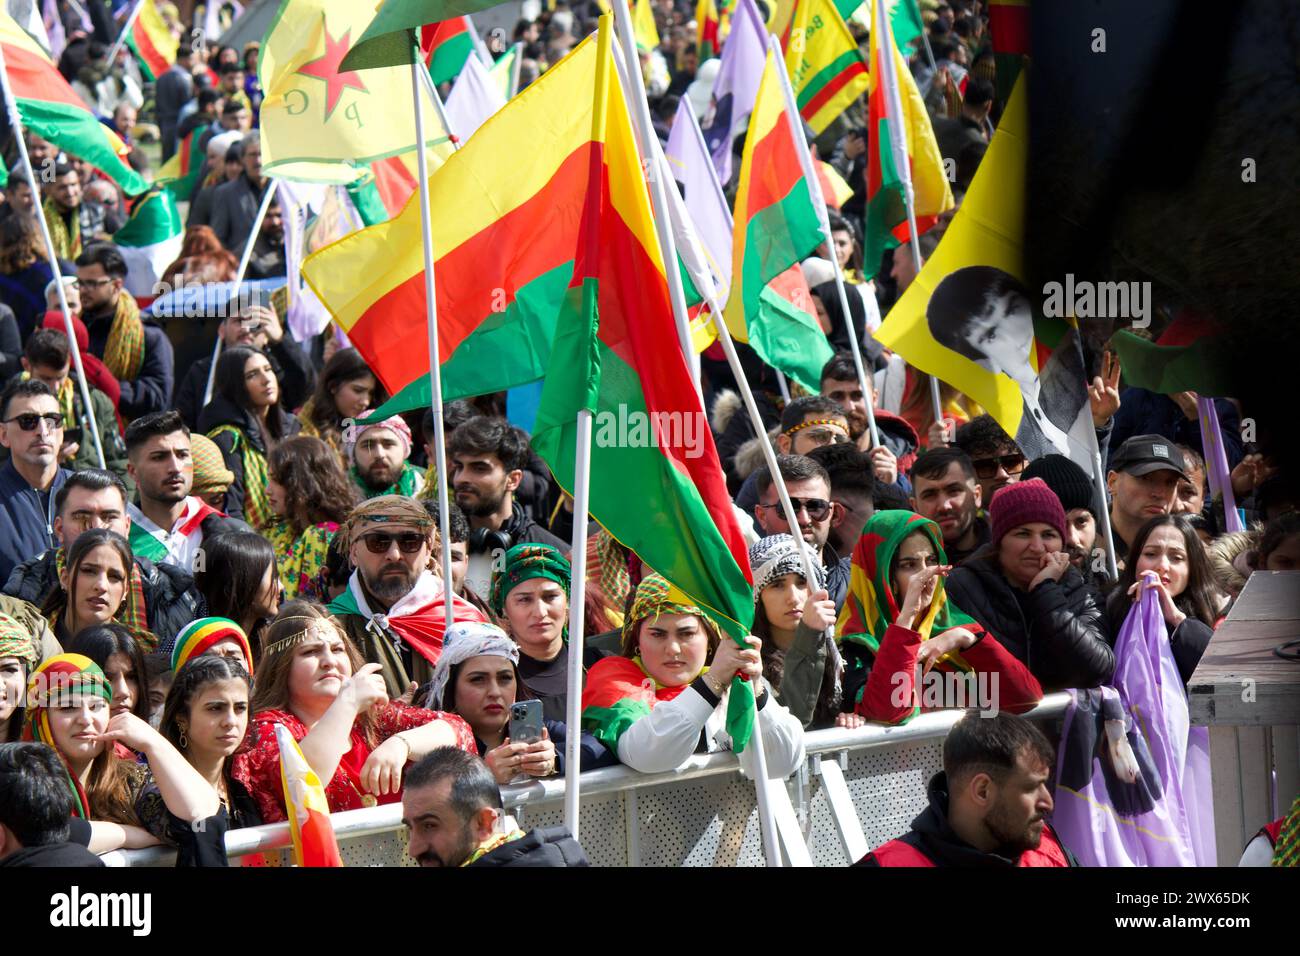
x=441, y=110
x=783, y=385
x=514, y=70
x=577, y=609
x=244, y=258
x=1216, y=462
x=126, y=29
x=484, y=55
x=925, y=38
x=431, y=312
x=667, y=244
x=15, y=122
x=819, y=203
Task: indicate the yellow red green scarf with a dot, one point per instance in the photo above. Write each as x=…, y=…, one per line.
x=67, y=239
x=124, y=352
x=257, y=505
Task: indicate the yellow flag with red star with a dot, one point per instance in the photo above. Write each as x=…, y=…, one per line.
x=322, y=124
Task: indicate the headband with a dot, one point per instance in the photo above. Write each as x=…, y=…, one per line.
x=299, y=637
x=387, y=509
x=815, y=421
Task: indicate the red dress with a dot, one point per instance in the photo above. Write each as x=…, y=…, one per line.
x=258, y=768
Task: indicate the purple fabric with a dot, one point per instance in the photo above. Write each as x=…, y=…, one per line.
x=736, y=87
x=1216, y=463
x=1165, y=818
x=693, y=169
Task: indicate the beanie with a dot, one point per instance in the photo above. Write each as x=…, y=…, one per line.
x=1065, y=478
x=1022, y=503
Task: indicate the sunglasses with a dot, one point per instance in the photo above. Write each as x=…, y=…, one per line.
x=817, y=508
x=378, y=542
x=1012, y=464
x=28, y=421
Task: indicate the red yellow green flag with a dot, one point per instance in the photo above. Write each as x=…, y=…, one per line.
x=151, y=41
x=707, y=21
x=446, y=46
x=314, y=843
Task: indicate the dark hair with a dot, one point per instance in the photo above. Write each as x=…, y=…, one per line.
x=208, y=97
x=237, y=67
x=454, y=414
x=345, y=365
x=231, y=386
x=35, y=800
x=47, y=347
x=194, y=675
x=1192, y=461
x=230, y=579
x=1199, y=597
x=457, y=523
x=473, y=787
x=102, y=641
x=840, y=367
x=800, y=408
x=1274, y=533
x=979, y=91
x=20, y=388
x=20, y=240
x=991, y=745
x=153, y=425
x=315, y=487
x=793, y=468
x=482, y=435
x=90, y=479
x=890, y=498
x=982, y=434
x=828, y=700
x=230, y=108
x=840, y=223
x=449, y=694
x=848, y=467
x=959, y=297
x=935, y=462
x=104, y=254
x=64, y=168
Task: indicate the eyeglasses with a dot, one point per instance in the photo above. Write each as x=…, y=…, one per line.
x=379, y=542
x=28, y=421
x=95, y=282
x=817, y=508
x=1012, y=464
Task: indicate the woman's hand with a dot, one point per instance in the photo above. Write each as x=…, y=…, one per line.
x=819, y=611
x=1054, y=566
x=381, y=774
x=538, y=757
x=731, y=660
x=364, y=690
x=953, y=639
x=128, y=729
x=1168, y=610
x=937, y=436
x=849, y=721
x=919, y=594
x=506, y=760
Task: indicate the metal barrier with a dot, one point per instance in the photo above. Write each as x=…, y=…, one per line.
x=857, y=789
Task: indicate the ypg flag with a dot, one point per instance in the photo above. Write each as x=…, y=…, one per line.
x=827, y=70
x=321, y=123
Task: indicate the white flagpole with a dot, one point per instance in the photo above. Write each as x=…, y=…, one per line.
x=484, y=55
x=635, y=93
x=431, y=311
x=15, y=123
x=514, y=70
x=577, y=607
x=819, y=203
x=126, y=29
x=441, y=109
x=245, y=257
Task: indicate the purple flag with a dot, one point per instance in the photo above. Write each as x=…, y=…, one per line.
x=692, y=168
x=54, y=28
x=1133, y=775
x=1216, y=463
x=736, y=88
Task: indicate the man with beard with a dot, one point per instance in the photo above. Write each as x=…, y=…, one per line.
x=807, y=422
x=379, y=465
x=393, y=608
x=944, y=490
x=1070, y=483
x=487, y=459
x=169, y=524
x=899, y=441
x=453, y=813
x=997, y=459
x=989, y=804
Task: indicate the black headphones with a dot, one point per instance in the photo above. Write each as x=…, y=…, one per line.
x=486, y=541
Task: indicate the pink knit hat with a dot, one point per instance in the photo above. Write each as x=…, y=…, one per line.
x=1023, y=502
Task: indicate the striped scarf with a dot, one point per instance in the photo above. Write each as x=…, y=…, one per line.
x=133, y=614
x=67, y=239
x=607, y=568
x=124, y=352
x=1287, y=851
x=257, y=505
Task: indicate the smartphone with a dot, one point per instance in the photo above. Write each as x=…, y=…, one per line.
x=72, y=436
x=526, y=722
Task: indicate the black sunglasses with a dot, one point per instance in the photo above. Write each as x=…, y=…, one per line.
x=1012, y=464
x=817, y=508
x=378, y=542
x=29, y=420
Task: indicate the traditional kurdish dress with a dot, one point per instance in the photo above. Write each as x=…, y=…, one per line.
x=301, y=558
x=176, y=545
x=257, y=474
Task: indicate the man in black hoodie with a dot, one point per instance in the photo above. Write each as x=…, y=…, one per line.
x=36, y=810
x=452, y=809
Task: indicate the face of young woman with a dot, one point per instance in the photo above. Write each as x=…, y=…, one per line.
x=260, y=381
x=99, y=588
x=320, y=666
x=13, y=682
x=537, y=610
x=275, y=496
x=843, y=247
x=1165, y=553
x=673, y=648
x=485, y=689
x=124, y=681
x=218, y=719
x=914, y=555
x=783, y=601
x=352, y=398
x=268, y=595
x=77, y=726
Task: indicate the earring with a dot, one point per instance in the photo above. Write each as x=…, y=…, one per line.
x=184, y=740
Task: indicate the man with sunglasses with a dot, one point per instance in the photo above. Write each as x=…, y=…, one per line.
x=810, y=494
x=31, y=428
x=996, y=458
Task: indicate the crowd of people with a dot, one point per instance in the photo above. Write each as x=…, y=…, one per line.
x=250, y=560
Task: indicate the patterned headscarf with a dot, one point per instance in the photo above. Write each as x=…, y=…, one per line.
x=1287, y=851
x=15, y=641
x=199, y=636
x=395, y=424
x=56, y=682
x=463, y=641
x=871, y=606
x=210, y=471
x=387, y=510
x=655, y=596
x=524, y=562
x=777, y=555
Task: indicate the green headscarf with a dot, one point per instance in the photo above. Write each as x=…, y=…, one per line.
x=524, y=562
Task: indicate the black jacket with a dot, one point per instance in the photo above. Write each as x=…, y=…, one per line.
x=151, y=389
x=54, y=854
x=549, y=846
x=170, y=597
x=1188, y=641
x=292, y=369
x=221, y=411
x=1060, y=632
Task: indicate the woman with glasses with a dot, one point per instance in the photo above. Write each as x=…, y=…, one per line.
x=310, y=497
x=246, y=421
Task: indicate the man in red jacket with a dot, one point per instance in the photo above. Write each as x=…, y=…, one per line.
x=989, y=805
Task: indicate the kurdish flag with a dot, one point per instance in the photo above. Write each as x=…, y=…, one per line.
x=1009, y=34
x=48, y=106
x=180, y=174
x=827, y=70
x=314, y=843
x=643, y=26
x=446, y=46
x=904, y=20
x=776, y=226
x=902, y=150
x=150, y=241
x=707, y=21
x=1186, y=357
x=151, y=41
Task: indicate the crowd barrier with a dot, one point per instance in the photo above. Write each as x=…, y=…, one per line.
x=856, y=789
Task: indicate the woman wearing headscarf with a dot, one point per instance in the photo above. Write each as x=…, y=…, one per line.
x=898, y=616
x=669, y=693
x=18, y=658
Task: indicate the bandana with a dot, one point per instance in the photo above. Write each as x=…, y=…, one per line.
x=199, y=636
x=15, y=641
x=210, y=471
x=462, y=642
x=58, y=680
x=524, y=562
x=390, y=510
x=777, y=555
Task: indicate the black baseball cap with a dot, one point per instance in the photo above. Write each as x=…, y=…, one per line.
x=1143, y=454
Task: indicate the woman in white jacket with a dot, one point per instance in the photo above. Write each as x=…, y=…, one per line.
x=666, y=697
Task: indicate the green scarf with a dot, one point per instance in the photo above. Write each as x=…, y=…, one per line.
x=404, y=485
x=257, y=504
